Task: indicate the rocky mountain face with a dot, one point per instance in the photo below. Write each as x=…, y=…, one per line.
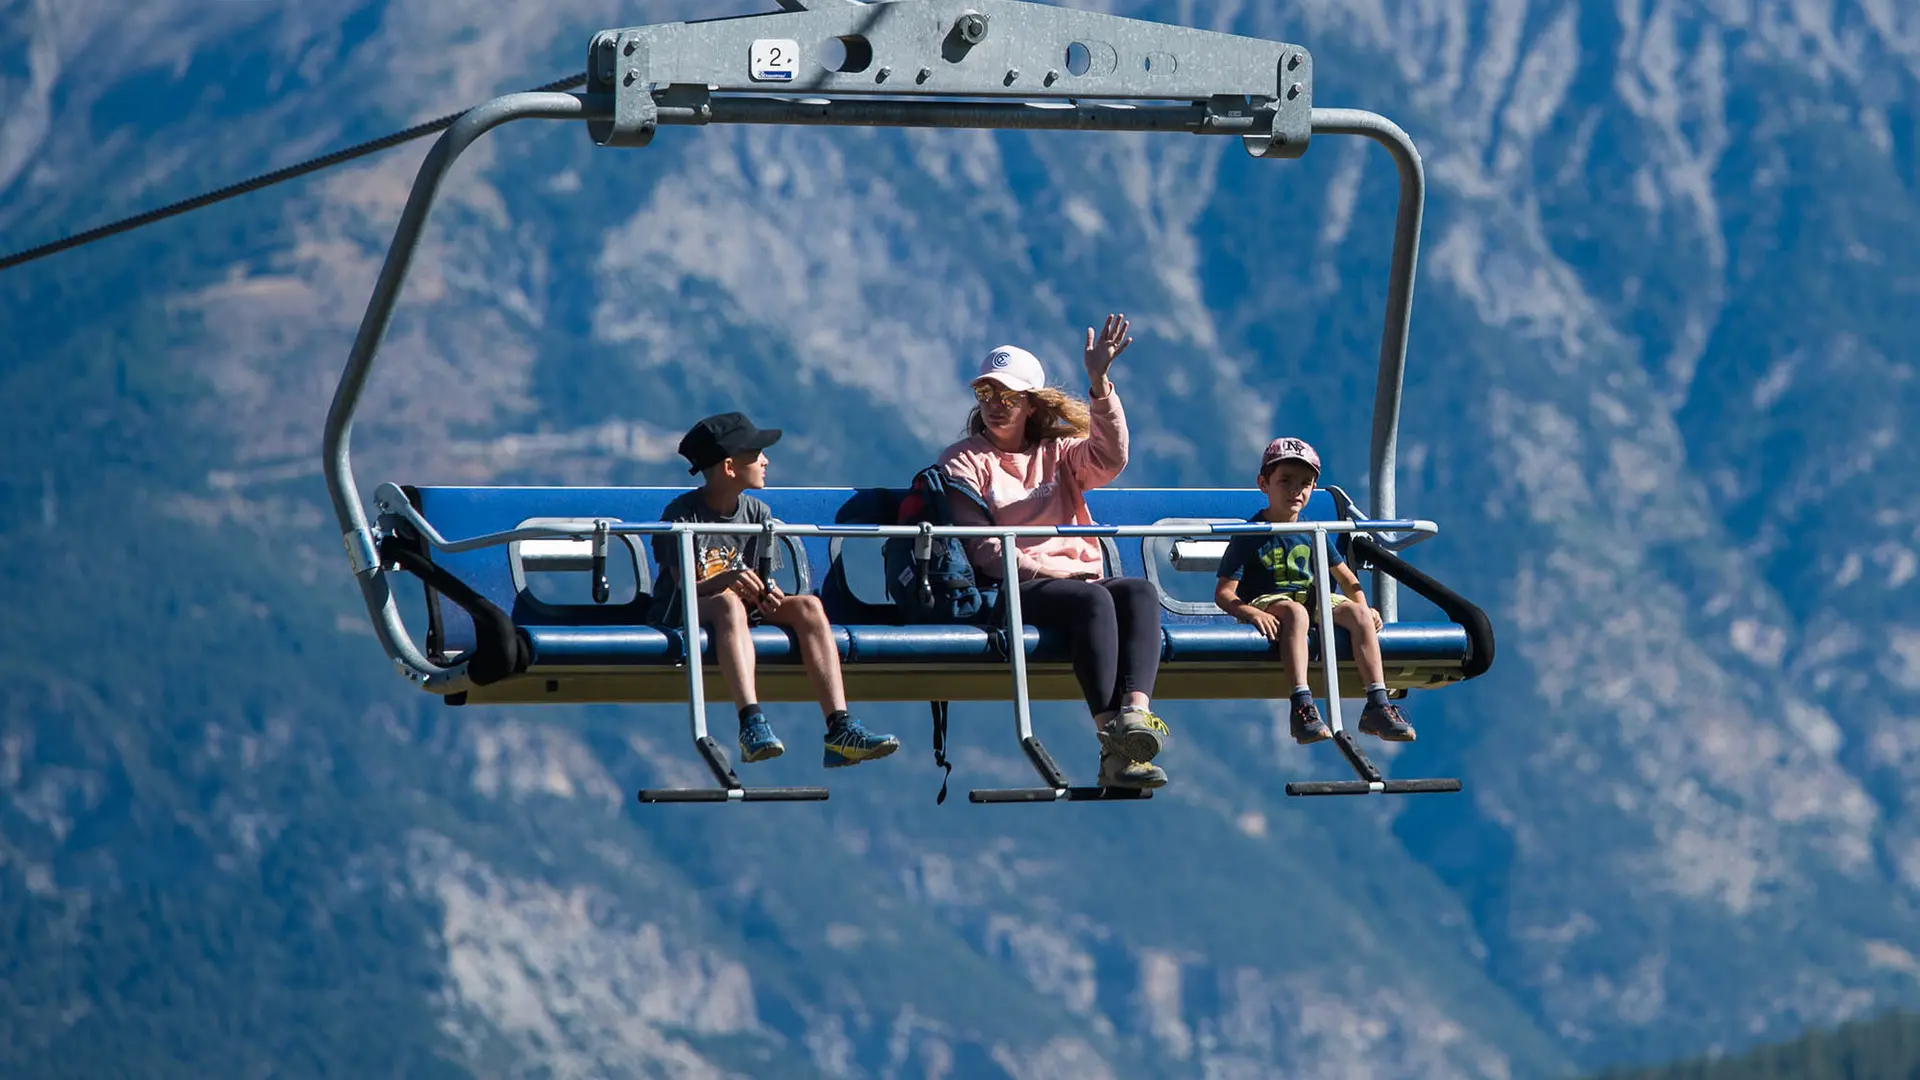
x=1658, y=400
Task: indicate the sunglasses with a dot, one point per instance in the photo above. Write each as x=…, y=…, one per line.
x=987, y=393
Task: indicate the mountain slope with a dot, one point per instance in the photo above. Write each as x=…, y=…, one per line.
x=1661, y=272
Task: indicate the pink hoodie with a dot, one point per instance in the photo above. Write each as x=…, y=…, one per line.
x=1044, y=485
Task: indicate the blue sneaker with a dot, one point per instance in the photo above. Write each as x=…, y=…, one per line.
x=757, y=741
x=851, y=744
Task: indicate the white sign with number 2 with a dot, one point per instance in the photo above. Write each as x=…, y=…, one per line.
x=773, y=60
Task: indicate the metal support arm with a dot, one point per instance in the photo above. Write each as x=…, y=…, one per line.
x=337, y=455
x=1399, y=315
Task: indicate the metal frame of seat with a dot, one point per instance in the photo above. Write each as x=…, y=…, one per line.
x=603, y=652
x=575, y=661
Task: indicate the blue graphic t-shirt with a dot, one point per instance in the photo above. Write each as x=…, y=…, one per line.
x=1279, y=563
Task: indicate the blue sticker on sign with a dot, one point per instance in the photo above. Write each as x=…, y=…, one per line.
x=773, y=60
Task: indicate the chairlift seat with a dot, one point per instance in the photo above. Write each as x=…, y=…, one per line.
x=641, y=78
x=609, y=652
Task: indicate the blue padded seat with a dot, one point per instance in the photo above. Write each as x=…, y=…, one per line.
x=615, y=646
x=607, y=652
x=1400, y=643
x=612, y=646
x=950, y=644
x=602, y=646
x=906, y=644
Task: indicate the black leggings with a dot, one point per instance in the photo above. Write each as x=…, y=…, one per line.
x=1114, y=624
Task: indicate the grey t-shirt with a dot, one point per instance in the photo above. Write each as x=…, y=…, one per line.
x=711, y=554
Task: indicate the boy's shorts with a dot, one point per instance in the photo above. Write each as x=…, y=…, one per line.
x=755, y=617
x=1305, y=600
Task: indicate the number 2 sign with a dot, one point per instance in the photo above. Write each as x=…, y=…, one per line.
x=773, y=60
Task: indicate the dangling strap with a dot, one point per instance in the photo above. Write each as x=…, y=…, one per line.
x=940, y=746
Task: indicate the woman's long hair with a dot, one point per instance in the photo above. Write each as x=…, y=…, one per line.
x=1056, y=415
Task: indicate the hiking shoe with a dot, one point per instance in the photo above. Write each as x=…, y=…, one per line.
x=1385, y=722
x=1117, y=772
x=851, y=744
x=757, y=741
x=1137, y=733
x=1307, y=726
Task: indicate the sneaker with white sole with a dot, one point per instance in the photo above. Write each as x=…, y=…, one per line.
x=1137, y=733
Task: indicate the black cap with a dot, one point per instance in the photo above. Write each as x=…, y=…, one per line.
x=720, y=437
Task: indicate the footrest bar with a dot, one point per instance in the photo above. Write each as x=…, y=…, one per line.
x=1421, y=787
x=1351, y=751
x=739, y=794
x=1060, y=794
x=1376, y=787
x=1043, y=762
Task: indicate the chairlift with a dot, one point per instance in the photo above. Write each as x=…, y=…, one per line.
x=497, y=634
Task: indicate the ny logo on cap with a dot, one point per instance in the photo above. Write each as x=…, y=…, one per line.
x=1289, y=447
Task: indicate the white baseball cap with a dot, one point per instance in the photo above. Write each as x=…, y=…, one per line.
x=1014, y=368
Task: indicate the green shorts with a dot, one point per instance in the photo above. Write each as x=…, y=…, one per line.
x=1305, y=600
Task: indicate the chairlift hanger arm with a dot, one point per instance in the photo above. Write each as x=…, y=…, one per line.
x=913, y=51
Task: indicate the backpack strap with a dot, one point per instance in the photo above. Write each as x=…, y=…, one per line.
x=940, y=747
x=923, y=564
x=933, y=511
x=935, y=480
x=953, y=486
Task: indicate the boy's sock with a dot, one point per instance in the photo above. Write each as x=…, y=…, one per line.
x=837, y=719
x=1302, y=696
x=1376, y=694
x=749, y=713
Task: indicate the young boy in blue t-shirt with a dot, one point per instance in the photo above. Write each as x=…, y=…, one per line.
x=1268, y=581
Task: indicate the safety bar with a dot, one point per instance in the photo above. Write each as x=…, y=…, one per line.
x=1057, y=788
x=401, y=508
x=730, y=789
x=1371, y=781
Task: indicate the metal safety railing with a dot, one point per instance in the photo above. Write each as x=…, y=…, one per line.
x=598, y=531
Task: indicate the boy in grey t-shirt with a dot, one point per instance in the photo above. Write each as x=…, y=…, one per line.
x=734, y=592
x=711, y=554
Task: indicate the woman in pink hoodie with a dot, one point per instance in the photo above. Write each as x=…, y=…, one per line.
x=1033, y=452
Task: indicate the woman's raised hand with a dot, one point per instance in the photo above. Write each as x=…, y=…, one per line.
x=1103, y=349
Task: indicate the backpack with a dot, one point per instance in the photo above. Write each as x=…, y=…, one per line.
x=930, y=579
